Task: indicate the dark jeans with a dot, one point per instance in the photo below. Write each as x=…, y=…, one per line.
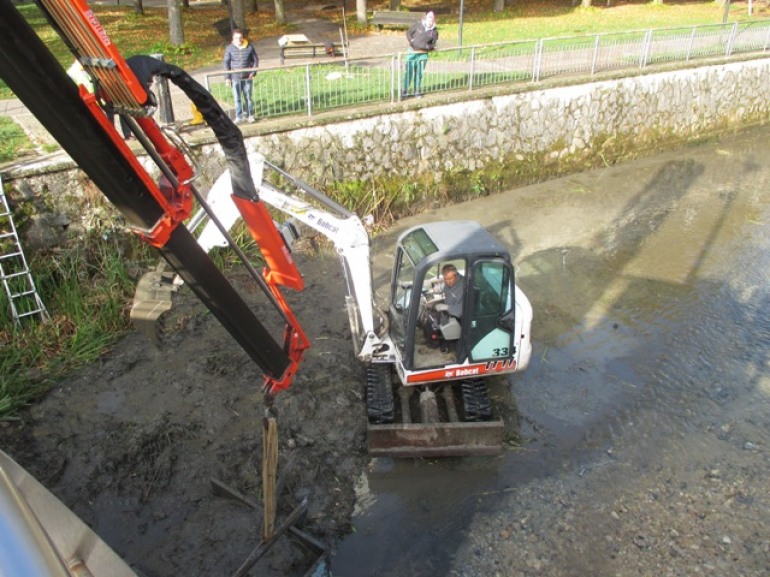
x=243, y=89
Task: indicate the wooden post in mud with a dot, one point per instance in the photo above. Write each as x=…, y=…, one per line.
x=269, y=473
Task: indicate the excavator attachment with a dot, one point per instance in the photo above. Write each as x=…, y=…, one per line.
x=436, y=439
x=152, y=298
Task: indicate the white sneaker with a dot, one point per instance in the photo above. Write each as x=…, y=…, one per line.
x=239, y=121
x=250, y=119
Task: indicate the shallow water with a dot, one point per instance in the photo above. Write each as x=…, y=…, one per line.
x=650, y=289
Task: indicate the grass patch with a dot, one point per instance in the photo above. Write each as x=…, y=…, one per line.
x=13, y=139
x=551, y=18
x=87, y=290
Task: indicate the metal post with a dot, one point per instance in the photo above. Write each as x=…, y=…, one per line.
x=473, y=68
x=397, y=75
x=460, y=28
x=731, y=40
x=692, y=43
x=644, y=56
x=308, y=90
x=537, y=61
x=767, y=40
x=165, y=106
x=595, y=58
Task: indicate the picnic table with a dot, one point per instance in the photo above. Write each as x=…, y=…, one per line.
x=300, y=46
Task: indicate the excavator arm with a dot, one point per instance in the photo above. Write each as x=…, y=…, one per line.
x=302, y=203
x=154, y=209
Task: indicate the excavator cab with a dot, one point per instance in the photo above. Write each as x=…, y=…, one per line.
x=443, y=333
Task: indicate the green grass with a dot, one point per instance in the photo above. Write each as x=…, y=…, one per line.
x=13, y=140
x=545, y=19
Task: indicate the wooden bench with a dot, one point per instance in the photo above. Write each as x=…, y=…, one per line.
x=395, y=18
x=310, y=50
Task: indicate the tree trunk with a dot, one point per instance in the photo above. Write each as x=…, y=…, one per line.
x=395, y=4
x=499, y=6
x=186, y=3
x=251, y=6
x=175, y=27
x=585, y=3
x=237, y=14
x=138, y=7
x=280, y=12
x=361, y=12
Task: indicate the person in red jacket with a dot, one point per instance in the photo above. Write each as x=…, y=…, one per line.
x=239, y=55
x=422, y=37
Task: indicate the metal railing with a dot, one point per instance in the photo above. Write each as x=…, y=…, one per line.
x=332, y=84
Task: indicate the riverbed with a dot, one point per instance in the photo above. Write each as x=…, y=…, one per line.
x=645, y=413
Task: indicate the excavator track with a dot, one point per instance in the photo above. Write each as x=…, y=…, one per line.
x=476, y=401
x=379, y=394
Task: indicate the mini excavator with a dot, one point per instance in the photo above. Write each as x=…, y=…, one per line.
x=425, y=381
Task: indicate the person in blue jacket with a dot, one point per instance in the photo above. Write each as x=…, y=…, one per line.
x=240, y=54
x=422, y=37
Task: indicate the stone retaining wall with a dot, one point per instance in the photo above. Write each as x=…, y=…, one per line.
x=558, y=122
x=554, y=123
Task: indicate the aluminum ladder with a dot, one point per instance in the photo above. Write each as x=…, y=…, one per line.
x=18, y=283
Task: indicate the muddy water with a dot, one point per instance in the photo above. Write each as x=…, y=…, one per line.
x=645, y=412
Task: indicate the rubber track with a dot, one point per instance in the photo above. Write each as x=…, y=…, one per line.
x=476, y=402
x=379, y=394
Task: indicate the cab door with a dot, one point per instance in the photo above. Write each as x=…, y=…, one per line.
x=489, y=325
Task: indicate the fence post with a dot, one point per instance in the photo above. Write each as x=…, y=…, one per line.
x=595, y=58
x=308, y=90
x=537, y=61
x=692, y=43
x=767, y=40
x=644, y=56
x=394, y=92
x=397, y=75
x=165, y=106
x=472, y=68
x=731, y=40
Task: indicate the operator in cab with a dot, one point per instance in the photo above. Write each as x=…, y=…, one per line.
x=438, y=316
x=454, y=287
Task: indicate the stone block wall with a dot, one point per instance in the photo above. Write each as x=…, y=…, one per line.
x=681, y=105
